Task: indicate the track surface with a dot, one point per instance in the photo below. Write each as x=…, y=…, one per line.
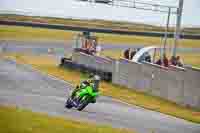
x=61, y=47
x=26, y=88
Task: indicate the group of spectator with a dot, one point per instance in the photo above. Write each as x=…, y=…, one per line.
x=163, y=62
x=175, y=61
x=90, y=46
x=146, y=57
x=129, y=54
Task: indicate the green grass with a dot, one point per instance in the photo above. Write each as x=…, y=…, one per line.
x=85, y=23
x=48, y=65
x=15, y=120
x=95, y=23
x=29, y=33
x=144, y=41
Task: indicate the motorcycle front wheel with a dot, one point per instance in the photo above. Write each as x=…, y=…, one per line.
x=68, y=103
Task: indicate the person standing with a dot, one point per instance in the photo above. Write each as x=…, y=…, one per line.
x=173, y=61
x=132, y=54
x=179, y=61
x=165, y=61
x=127, y=53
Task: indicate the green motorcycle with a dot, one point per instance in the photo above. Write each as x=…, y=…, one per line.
x=82, y=98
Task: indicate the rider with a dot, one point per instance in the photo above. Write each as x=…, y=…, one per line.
x=93, y=81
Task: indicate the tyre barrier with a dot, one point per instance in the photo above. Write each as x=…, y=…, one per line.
x=67, y=63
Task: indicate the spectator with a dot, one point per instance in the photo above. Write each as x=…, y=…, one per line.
x=173, y=61
x=132, y=54
x=147, y=57
x=179, y=61
x=159, y=62
x=165, y=61
x=126, y=53
x=176, y=61
x=84, y=43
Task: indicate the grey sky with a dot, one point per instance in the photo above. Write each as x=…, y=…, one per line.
x=74, y=9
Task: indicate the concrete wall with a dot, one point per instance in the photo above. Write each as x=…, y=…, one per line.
x=1, y=49
x=96, y=62
x=192, y=87
x=175, y=84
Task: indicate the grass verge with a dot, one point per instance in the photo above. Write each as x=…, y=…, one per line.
x=47, y=65
x=96, y=23
x=14, y=120
x=29, y=33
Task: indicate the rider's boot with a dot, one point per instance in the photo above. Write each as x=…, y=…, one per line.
x=76, y=100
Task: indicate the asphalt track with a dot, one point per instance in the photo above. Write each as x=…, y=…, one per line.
x=24, y=87
x=62, y=47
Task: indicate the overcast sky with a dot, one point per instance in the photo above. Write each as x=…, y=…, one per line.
x=75, y=9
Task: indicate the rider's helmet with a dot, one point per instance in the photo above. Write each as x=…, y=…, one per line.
x=96, y=78
x=96, y=81
x=93, y=78
x=89, y=80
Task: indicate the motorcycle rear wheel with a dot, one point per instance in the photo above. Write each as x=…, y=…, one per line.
x=83, y=104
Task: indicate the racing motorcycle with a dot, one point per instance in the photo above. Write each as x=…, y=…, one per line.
x=82, y=98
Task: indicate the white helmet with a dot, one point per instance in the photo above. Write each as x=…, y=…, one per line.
x=96, y=78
